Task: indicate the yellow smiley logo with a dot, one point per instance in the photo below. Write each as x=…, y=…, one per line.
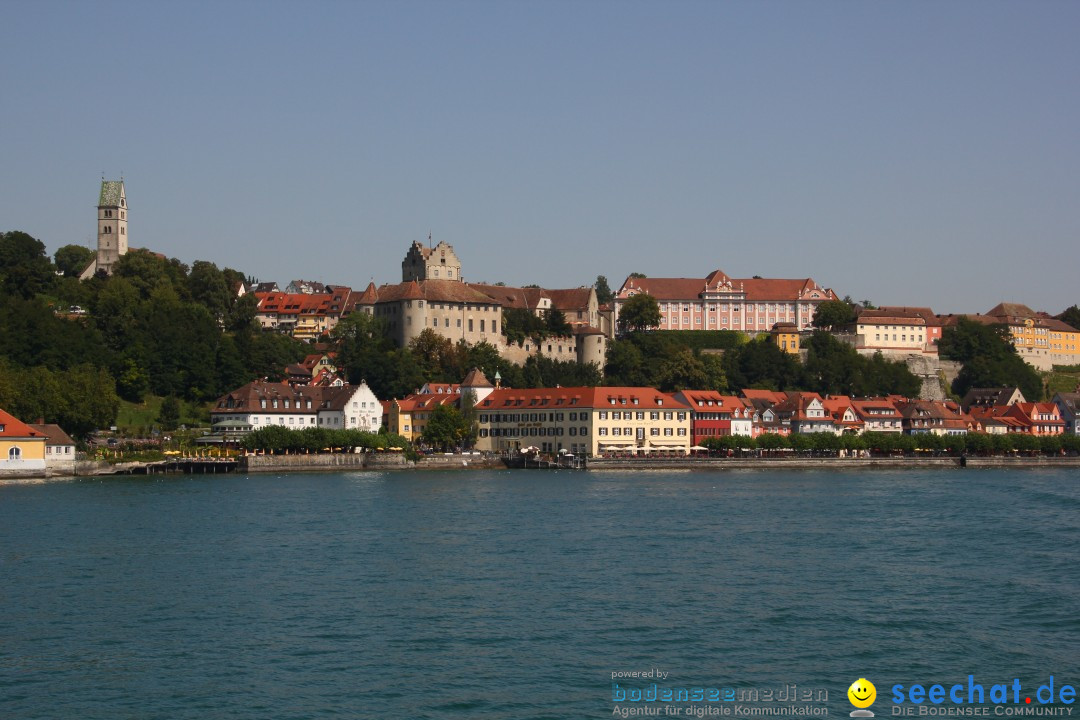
x=862, y=693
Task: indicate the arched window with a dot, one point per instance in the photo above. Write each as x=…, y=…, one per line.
x=14, y=454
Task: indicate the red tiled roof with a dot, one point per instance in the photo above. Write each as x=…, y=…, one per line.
x=581, y=397
x=770, y=396
x=508, y=297
x=15, y=428
x=572, y=299
x=755, y=289
x=427, y=401
x=434, y=291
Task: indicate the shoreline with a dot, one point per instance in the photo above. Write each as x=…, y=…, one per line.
x=719, y=464
x=264, y=464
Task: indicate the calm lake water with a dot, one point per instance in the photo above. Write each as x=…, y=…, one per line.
x=518, y=594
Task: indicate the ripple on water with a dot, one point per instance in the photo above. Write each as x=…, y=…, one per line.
x=515, y=595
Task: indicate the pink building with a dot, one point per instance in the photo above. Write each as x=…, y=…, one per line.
x=719, y=302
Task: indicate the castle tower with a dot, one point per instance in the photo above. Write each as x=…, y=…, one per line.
x=112, y=239
x=430, y=263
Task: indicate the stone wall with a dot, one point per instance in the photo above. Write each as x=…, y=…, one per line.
x=321, y=461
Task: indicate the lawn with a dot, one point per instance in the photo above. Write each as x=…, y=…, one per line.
x=137, y=419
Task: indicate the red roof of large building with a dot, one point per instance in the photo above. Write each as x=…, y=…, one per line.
x=755, y=289
x=641, y=398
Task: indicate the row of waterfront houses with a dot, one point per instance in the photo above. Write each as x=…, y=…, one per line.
x=598, y=420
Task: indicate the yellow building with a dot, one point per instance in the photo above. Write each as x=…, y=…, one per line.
x=590, y=420
x=22, y=449
x=408, y=417
x=1041, y=340
x=786, y=337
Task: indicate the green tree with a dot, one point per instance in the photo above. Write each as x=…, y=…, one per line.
x=555, y=323
x=73, y=259
x=836, y=368
x=624, y=364
x=833, y=314
x=435, y=355
x=989, y=359
x=713, y=365
x=980, y=443
x=773, y=441
x=604, y=295
x=1071, y=316
x=638, y=313
x=761, y=364
x=25, y=269
x=208, y=287
x=241, y=315
x=683, y=371
x=169, y=415
x=447, y=428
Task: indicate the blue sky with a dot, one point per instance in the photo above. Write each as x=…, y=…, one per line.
x=922, y=153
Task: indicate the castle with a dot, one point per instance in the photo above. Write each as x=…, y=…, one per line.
x=433, y=295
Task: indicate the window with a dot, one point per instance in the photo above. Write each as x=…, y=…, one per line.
x=582, y=431
x=14, y=454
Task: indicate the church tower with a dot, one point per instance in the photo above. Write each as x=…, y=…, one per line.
x=112, y=239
